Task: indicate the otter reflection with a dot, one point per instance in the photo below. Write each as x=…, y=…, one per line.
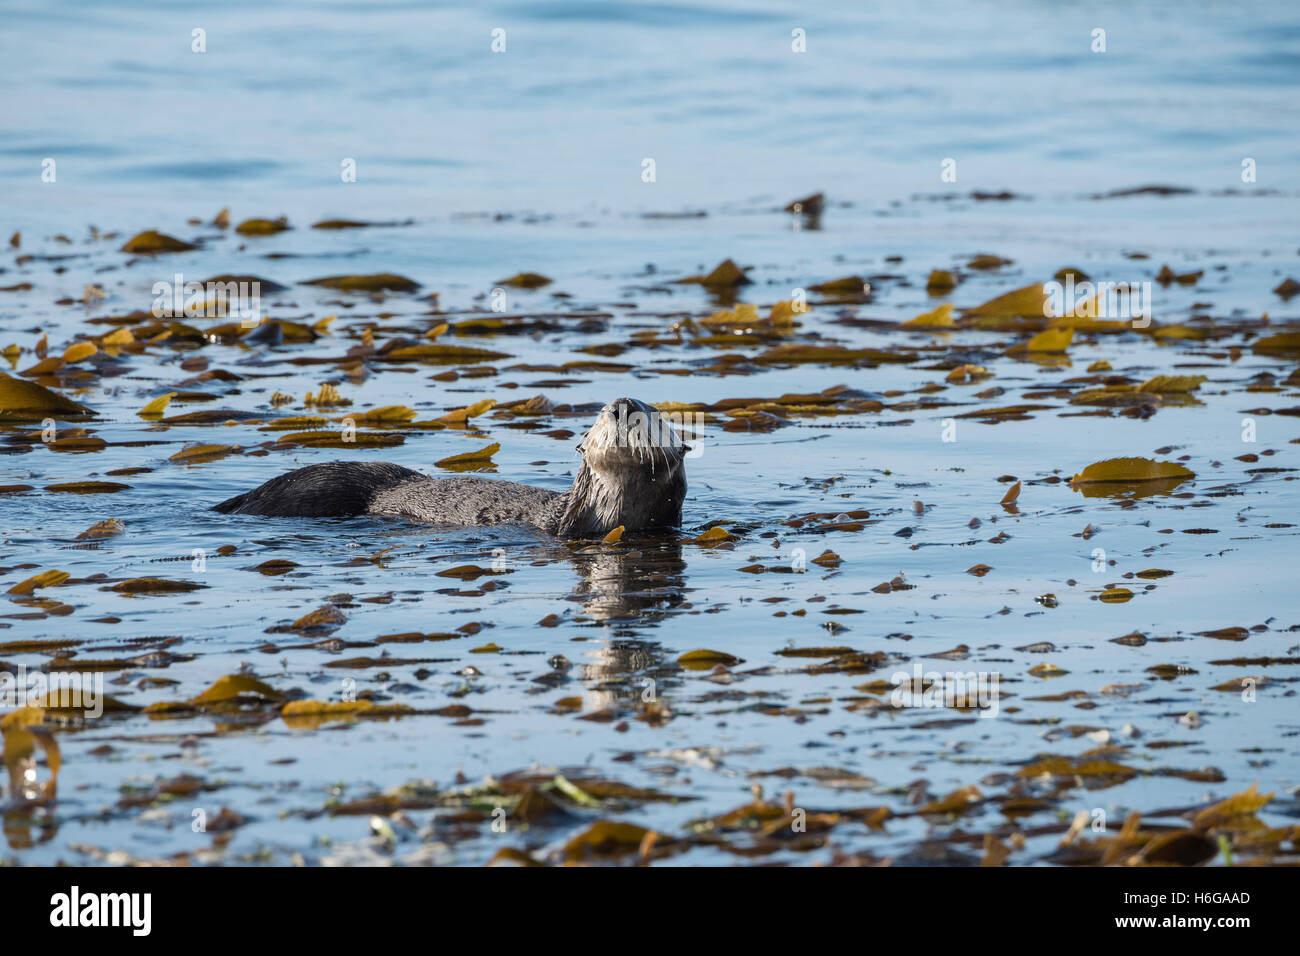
x=627, y=588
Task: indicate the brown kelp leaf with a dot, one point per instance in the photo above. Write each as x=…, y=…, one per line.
x=1173, y=383
x=1238, y=684
x=1027, y=302
x=212, y=416
x=810, y=206
x=1046, y=670
x=385, y=415
x=794, y=353
x=996, y=852
x=262, y=285
x=465, y=572
x=534, y=805
x=78, y=441
x=979, y=570
x=19, y=748
x=605, y=838
x=940, y=318
x=342, y=224
x=1238, y=805
x=967, y=374
x=510, y=856
x=26, y=400
x=1082, y=767
x=1168, y=275
x=614, y=536
x=1115, y=596
x=1226, y=634
x=44, y=367
x=703, y=659
x=87, y=488
x=152, y=241
x=816, y=652
x=1012, y=494
x=275, y=566
x=441, y=354
x=156, y=407
x=262, y=227
x=200, y=453
x=102, y=529
x=469, y=457
x=940, y=280
x=746, y=815
x=462, y=415
x=727, y=275
x=715, y=535
x=379, y=282
x=236, y=685
x=1281, y=344
x=312, y=719
x=78, y=351
x=46, y=579
x=526, y=280
x=849, y=285
x=1049, y=340
x=322, y=708
x=1128, y=471
x=118, y=337
x=326, y=616
x=986, y=261
x=154, y=586
x=1288, y=288
x=959, y=801
x=353, y=440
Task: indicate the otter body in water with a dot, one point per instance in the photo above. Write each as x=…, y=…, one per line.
x=632, y=475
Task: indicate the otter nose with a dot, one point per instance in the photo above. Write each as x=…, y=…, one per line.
x=623, y=406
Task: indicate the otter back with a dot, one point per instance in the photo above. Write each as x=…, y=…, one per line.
x=336, y=489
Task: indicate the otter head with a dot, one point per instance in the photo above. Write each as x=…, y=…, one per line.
x=632, y=473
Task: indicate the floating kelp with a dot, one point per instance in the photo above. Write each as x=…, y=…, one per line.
x=1130, y=476
x=526, y=280
x=726, y=275
x=262, y=227
x=151, y=242
x=28, y=401
x=379, y=282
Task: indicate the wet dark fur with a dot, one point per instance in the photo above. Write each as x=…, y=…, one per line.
x=636, y=487
x=337, y=489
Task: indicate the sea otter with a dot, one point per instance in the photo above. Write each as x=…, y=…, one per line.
x=632, y=475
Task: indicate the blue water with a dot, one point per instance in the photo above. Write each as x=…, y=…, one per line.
x=561, y=121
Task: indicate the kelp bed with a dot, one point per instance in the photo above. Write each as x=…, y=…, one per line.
x=897, y=465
